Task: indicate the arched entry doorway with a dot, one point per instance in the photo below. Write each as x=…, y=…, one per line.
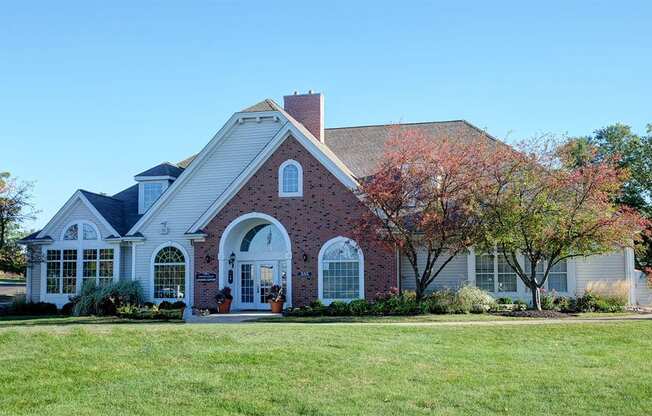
x=255, y=253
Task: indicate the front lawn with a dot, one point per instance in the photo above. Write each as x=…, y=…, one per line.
x=64, y=367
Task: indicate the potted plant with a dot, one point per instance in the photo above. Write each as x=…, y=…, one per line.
x=224, y=300
x=276, y=298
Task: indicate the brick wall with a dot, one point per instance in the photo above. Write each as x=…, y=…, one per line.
x=326, y=210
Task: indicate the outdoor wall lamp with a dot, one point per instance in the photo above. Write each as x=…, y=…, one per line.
x=305, y=256
x=232, y=259
x=208, y=258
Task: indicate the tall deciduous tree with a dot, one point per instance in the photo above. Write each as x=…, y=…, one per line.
x=15, y=208
x=548, y=212
x=423, y=200
x=629, y=151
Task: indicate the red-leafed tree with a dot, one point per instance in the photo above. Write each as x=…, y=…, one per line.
x=422, y=200
x=548, y=211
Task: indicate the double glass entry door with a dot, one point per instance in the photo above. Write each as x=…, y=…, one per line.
x=256, y=278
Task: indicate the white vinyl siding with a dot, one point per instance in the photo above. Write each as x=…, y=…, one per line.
x=224, y=163
x=452, y=276
x=77, y=212
x=125, y=262
x=609, y=269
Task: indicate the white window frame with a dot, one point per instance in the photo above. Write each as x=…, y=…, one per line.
x=141, y=193
x=320, y=269
x=522, y=291
x=80, y=244
x=281, y=168
x=186, y=295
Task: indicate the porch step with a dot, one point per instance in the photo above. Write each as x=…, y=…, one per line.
x=229, y=318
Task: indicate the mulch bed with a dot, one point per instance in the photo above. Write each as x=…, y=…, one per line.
x=536, y=314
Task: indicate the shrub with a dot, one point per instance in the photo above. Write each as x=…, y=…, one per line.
x=129, y=311
x=68, y=309
x=564, y=304
x=547, y=300
x=360, y=307
x=338, y=308
x=475, y=299
x=591, y=302
x=165, y=305
x=504, y=301
x=445, y=301
x=20, y=306
x=97, y=300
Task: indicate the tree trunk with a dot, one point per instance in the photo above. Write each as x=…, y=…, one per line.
x=419, y=290
x=536, y=297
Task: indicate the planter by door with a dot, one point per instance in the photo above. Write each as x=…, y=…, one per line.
x=277, y=307
x=224, y=307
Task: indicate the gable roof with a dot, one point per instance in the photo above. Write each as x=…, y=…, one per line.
x=349, y=152
x=266, y=105
x=110, y=208
x=164, y=169
x=361, y=148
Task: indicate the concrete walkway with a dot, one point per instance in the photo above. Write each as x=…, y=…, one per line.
x=230, y=318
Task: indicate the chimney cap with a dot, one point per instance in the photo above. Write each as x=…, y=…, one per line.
x=310, y=92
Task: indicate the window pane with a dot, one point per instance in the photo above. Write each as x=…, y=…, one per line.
x=341, y=280
x=506, y=276
x=169, y=255
x=69, y=271
x=558, y=277
x=89, y=232
x=151, y=192
x=290, y=179
x=169, y=281
x=53, y=271
x=484, y=272
x=71, y=233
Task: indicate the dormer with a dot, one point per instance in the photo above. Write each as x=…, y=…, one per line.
x=153, y=182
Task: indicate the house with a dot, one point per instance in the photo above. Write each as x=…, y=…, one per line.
x=270, y=199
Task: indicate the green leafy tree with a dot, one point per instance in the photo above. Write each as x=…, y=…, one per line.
x=629, y=152
x=548, y=212
x=15, y=208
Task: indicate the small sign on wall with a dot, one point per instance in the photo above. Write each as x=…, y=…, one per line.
x=205, y=277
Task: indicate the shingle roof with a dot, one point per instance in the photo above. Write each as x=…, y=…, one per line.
x=361, y=148
x=129, y=198
x=164, y=169
x=110, y=208
x=33, y=237
x=358, y=148
x=265, y=105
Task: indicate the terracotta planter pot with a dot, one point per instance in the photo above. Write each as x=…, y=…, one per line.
x=224, y=307
x=277, y=307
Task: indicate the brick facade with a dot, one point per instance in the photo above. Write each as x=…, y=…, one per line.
x=326, y=210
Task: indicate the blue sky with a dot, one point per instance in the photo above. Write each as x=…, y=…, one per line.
x=92, y=93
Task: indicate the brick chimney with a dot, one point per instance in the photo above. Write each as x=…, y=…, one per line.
x=307, y=109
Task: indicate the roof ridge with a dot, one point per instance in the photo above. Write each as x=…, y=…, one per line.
x=102, y=195
x=401, y=124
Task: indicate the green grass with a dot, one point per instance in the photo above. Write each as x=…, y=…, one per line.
x=88, y=366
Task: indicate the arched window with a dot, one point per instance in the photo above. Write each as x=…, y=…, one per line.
x=169, y=274
x=88, y=232
x=341, y=270
x=290, y=179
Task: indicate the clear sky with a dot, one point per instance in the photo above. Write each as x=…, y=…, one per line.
x=91, y=92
